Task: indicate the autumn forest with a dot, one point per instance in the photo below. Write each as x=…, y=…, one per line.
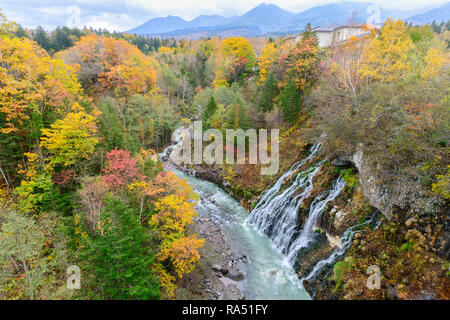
x=85, y=113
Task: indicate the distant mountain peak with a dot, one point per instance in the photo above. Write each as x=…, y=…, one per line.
x=266, y=4
x=439, y=14
x=268, y=18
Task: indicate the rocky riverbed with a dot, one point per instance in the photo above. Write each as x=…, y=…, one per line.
x=221, y=274
x=236, y=259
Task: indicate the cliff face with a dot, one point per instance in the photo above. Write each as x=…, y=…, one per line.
x=410, y=245
x=409, y=240
x=388, y=190
x=396, y=193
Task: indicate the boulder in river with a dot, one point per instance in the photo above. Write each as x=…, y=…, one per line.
x=235, y=275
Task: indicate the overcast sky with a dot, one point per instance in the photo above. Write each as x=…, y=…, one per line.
x=123, y=15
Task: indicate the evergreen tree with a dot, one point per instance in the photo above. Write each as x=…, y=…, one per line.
x=210, y=109
x=435, y=26
x=237, y=117
x=309, y=33
x=121, y=259
x=110, y=126
x=41, y=37
x=269, y=93
x=290, y=101
x=61, y=39
x=20, y=32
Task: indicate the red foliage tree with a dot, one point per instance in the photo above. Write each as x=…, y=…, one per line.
x=121, y=169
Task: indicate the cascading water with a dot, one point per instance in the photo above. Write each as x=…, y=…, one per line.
x=277, y=218
x=276, y=214
x=177, y=138
x=346, y=240
x=317, y=207
x=267, y=277
x=268, y=196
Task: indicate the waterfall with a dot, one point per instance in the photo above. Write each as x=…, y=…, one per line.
x=271, y=193
x=346, y=240
x=177, y=140
x=315, y=212
x=278, y=217
x=277, y=212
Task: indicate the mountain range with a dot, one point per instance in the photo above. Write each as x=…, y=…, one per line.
x=269, y=19
x=439, y=14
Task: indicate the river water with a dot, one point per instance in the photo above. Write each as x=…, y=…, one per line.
x=269, y=236
x=267, y=274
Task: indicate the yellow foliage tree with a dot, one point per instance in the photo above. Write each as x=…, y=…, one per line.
x=183, y=253
x=173, y=214
x=234, y=59
x=30, y=81
x=36, y=188
x=386, y=56
x=7, y=28
x=265, y=61
x=71, y=139
x=175, y=209
x=435, y=60
x=166, y=280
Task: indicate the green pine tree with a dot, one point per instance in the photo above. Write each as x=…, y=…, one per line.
x=290, y=101
x=269, y=93
x=42, y=39
x=309, y=32
x=210, y=109
x=121, y=258
x=237, y=117
x=110, y=126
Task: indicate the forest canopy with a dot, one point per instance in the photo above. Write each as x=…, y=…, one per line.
x=84, y=113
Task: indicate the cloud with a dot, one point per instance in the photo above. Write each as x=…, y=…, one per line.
x=109, y=21
x=115, y=15
x=122, y=15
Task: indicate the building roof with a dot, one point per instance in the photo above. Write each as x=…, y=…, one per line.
x=334, y=26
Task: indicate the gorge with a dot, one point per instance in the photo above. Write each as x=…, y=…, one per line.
x=297, y=231
x=271, y=237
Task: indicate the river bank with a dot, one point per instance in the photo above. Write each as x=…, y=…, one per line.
x=333, y=236
x=220, y=275
x=331, y=207
x=236, y=255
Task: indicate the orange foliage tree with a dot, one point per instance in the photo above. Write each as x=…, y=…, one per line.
x=174, y=211
x=31, y=81
x=107, y=64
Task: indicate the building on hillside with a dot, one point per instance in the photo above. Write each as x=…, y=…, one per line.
x=334, y=34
